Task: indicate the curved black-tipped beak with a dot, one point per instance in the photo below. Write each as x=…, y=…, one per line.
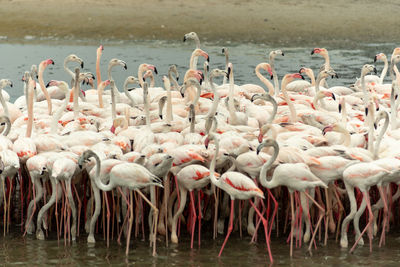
x=312, y=52
x=302, y=77
x=340, y=108
x=366, y=111
x=52, y=62
x=177, y=78
x=80, y=166
x=375, y=126
x=11, y=84
x=82, y=65
x=190, y=119
x=182, y=94
x=161, y=117
x=283, y=54
x=223, y=50
x=252, y=97
x=333, y=96
x=201, y=81
x=208, y=59
x=272, y=76
x=395, y=97
x=48, y=84
x=184, y=38
x=259, y=149
x=125, y=67
x=324, y=130
x=375, y=59
x=377, y=108
x=375, y=70
x=337, y=76
x=155, y=70
x=229, y=72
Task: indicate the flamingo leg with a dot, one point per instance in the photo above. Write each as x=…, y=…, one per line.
x=321, y=216
x=200, y=215
x=370, y=219
x=229, y=228
x=128, y=238
x=292, y=223
x=193, y=220
x=385, y=215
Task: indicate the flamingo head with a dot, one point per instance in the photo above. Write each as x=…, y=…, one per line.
x=199, y=52
x=47, y=62
x=267, y=67
x=151, y=67
x=328, y=128
x=380, y=56
x=100, y=50
x=317, y=50
x=294, y=76
x=396, y=51
x=190, y=35
x=5, y=82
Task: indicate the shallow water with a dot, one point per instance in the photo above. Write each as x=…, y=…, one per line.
x=347, y=61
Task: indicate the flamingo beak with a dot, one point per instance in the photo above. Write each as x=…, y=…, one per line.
x=312, y=52
x=375, y=58
x=82, y=65
x=11, y=84
x=206, y=142
x=155, y=70
x=260, y=137
x=184, y=38
x=375, y=70
x=333, y=96
x=112, y=129
x=340, y=108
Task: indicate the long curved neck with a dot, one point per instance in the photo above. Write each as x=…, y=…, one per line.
x=214, y=180
x=30, y=89
x=192, y=120
x=43, y=87
x=8, y=125
x=193, y=60
x=276, y=82
x=146, y=105
x=231, y=104
x=215, y=103
x=169, y=104
x=76, y=94
x=100, y=90
x=113, y=104
x=293, y=114
x=371, y=115
x=141, y=70
x=267, y=165
x=393, y=111
x=58, y=114
x=268, y=84
x=173, y=80
x=384, y=71
x=98, y=72
x=364, y=89
x=310, y=74
x=381, y=133
x=70, y=72
x=4, y=104
x=274, y=109
x=327, y=60
x=127, y=93
x=97, y=179
x=226, y=65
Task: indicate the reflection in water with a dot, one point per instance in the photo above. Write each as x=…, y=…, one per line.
x=17, y=250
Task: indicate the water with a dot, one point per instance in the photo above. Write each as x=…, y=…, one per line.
x=15, y=59
x=346, y=59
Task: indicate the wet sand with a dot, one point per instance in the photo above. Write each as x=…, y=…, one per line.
x=279, y=21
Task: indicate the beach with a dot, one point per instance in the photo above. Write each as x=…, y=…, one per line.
x=283, y=22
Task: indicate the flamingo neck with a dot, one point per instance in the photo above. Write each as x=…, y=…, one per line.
x=226, y=66
x=312, y=77
x=231, y=104
x=98, y=72
x=381, y=133
x=384, y=71
x=4, y=104
x=169, y=103
x=213, y=179
x=265, y=81
x=30, y=108
x=267, y=165
x=67, y=70
x=293, y=114
x=127, y=93
x=58, y=114
x=215, y=103
x=276, y=81
x=141, y=70
x=43, y=87
x=393, y=111
x=100, y=90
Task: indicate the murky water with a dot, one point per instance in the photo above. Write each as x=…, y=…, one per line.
x=347, y=61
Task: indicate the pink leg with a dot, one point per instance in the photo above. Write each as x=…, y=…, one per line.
x=366, y=195
x=229, y=228
x=199, y=206
x=265, y=222
x=291, y=224
x=193, y=220
x=385, y=215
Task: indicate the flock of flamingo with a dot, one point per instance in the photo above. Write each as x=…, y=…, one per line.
x=293, y=153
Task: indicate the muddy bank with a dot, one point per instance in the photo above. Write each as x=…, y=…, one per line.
x=303, y=22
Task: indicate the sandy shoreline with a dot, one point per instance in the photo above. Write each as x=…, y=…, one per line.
x=253, y=21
